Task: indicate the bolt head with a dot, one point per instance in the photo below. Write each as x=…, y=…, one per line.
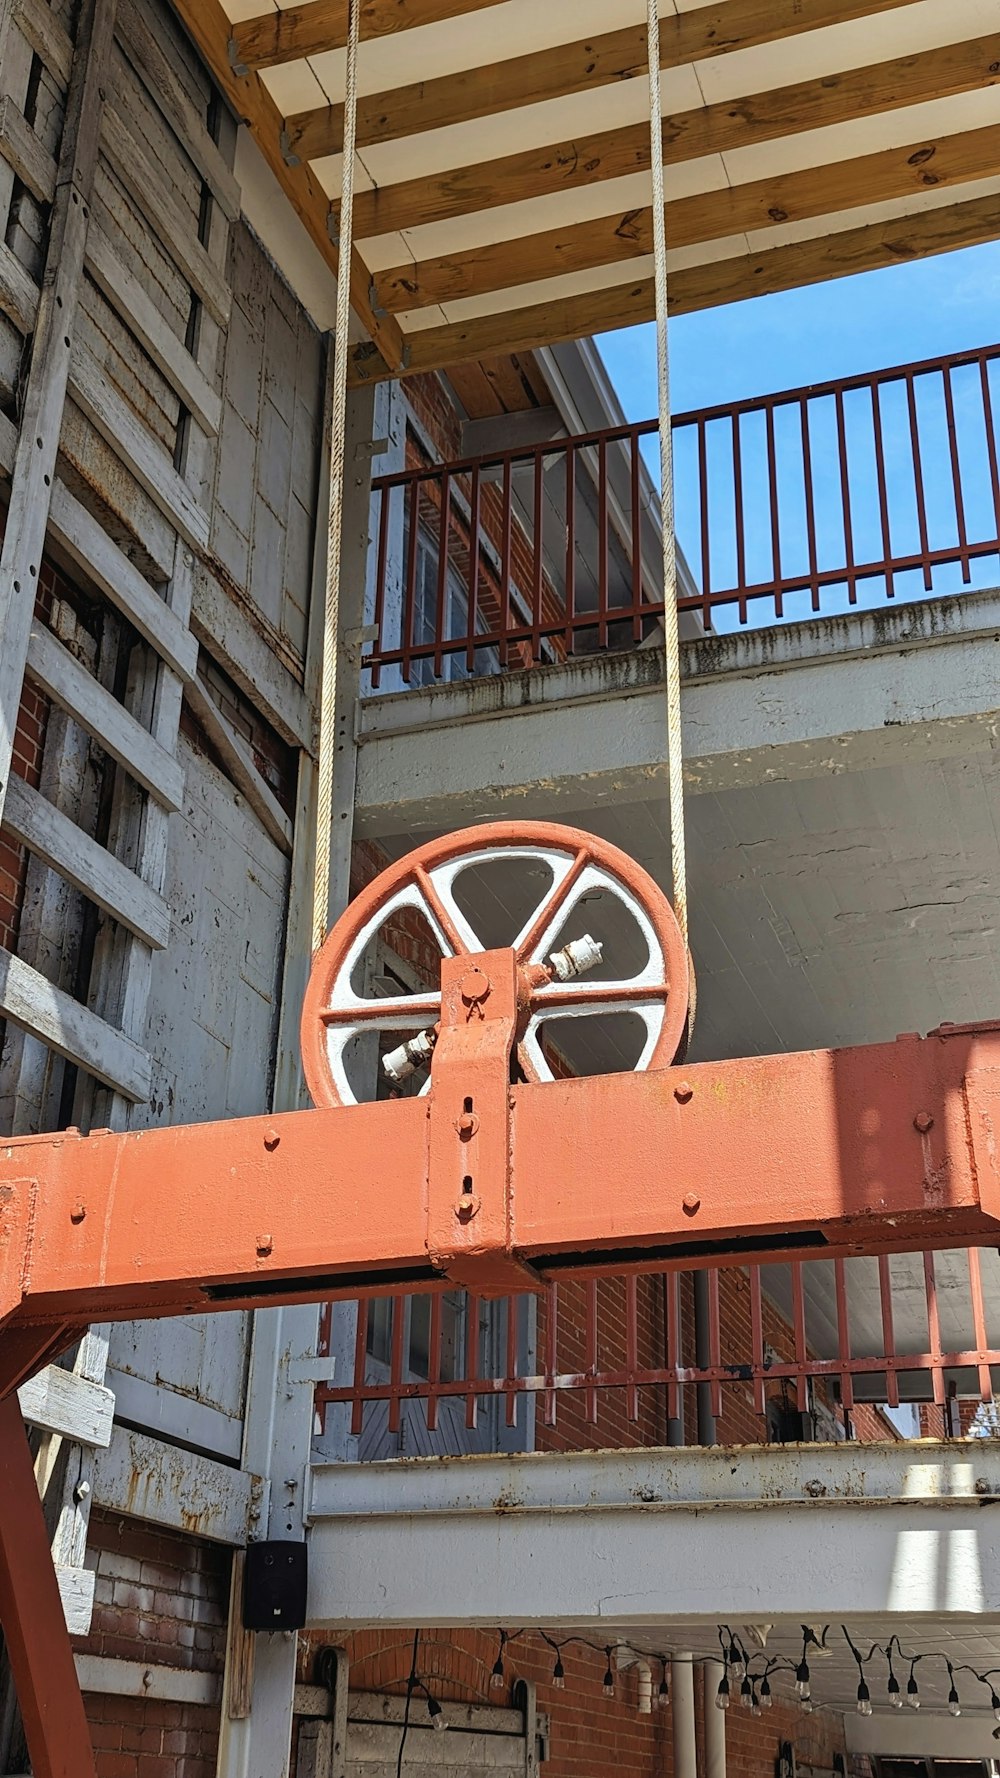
x=692, y=1203
x=271, y=1139
x=923, y=1122
x=265, y=1245
x=683, y=1091
x=78, y=1213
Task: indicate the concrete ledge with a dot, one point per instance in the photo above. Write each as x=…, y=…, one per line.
x=759, y=706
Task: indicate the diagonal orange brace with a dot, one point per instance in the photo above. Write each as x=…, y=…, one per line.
x=31, y=1613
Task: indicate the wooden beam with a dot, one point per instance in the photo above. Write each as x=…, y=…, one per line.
x=705, y=216
x=57, y=1400
x=838, y=255
x=36, y=1005
x=319, y=25
x=241, y=766
x=103, y=879
x=568, y=68
x=208, y=28
x=708, y=129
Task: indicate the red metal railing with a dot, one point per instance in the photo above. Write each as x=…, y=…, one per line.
x=799, y=503
x=916, y=1327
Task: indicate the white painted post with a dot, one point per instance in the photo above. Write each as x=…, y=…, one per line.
x=279, y=1419
x=685, y=1736
x=714, y=1722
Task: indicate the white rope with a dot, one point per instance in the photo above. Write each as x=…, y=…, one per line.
x=338, y=423
x=671, y=630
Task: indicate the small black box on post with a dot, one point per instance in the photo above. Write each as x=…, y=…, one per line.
x=274, y=1586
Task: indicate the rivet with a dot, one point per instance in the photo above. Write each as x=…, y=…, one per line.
x=683, y=1091
x=78, y=1213
x=265, y=1245
x=923, y=1122
x=271, y=1139
x=692, y=1204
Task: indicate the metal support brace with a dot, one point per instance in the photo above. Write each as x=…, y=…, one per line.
x=31, y=1613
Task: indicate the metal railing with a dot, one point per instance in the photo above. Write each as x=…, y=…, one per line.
x=781, y=1339
x=802, y=503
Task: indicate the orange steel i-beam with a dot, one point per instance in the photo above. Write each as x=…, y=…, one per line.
x=483, y=1182
x=825, y=1152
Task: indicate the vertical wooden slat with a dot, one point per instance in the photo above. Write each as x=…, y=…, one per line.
x=888, y=1331
x=991, y=437
x=441, y=606
x=513, y=1310
x=741, y=539
x=400, y=1325
x=631, y=1347
x=757, y=1340
x=384, y=504
x=590, y=1360
x=409, y=612
x=918, y=478
x=956, y=475
x=506, y=544
x=360, y=1368
x=714, y=1342
x=672, y=1317
x=843, y=1335
x=635, y=466
x=471, y=1361
x=845, y=499
x=772, y=495
x=474, y=529
x=434, y=1363
x=979, y=1323
x=883, y=493
x=706, y=542
x=551, y=1350
x=810, y=499
x=570, y=610
x=603, y=545
x=799, y=1332
x=538, y=573
x=934, y=1331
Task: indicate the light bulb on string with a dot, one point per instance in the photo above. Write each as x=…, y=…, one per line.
x=895, y=1695
x=662, y=1698
x=995, y=1706
x=802, y=1685
x=954, y=1702
x=766, y=1700
x=438, y=1719
x=497, y=1677
x=559, y=1674
x=736, y=1659
x=746, y=1695
x=722, y=1699
x=913, y=1692
x=864, y=1699
x=609, y=1678
x=806, y=1706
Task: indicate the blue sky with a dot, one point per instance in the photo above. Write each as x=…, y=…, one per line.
x=923, y=310
x=920, y=310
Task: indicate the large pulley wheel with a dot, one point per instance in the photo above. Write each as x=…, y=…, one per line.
x=578, y=868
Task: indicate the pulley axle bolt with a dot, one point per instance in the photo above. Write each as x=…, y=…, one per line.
x=923, y=1122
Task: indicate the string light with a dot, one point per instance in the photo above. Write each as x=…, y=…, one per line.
x=746, y=1694
x=766, y=1700
x=498, y=1677
x=609, y=1678
x=722, y=1699
x=559, y=1674
x=802, y=1685
x=662, y=1698
x=995, y=1706
x=954, y=1702
x=435, y=1712
x=864, y=1699
x=912, y=1688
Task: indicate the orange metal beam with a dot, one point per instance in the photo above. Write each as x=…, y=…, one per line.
x=31, y=1613
x=850, y=1151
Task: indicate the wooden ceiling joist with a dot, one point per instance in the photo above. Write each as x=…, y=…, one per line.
x=707, y=216
x=274, y=38
x=828, y=256
x=710, y=129
x=209, y=28
x=568, y=68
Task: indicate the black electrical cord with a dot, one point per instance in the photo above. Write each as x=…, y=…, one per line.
x=411, y=1686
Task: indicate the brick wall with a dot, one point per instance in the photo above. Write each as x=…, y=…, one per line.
x=162, y=1599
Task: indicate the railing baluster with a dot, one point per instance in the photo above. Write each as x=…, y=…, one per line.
x=434, y=1363
x=471, y=1361
x=570, y=612
x=714, y=1342
x=631, y=1347
x=883, y=492
x=843, y=1336
x=772, y=490
x=441, y=609
x=408, y=615
x=956, y=476
x=799, y=1334
x=590, y=1403
x=757, y=1341
x=635, y=466
x=991, y=437
x=506, y=545
x=360, y=1368
x=845, y=499
x=888, y=1331
x=706, y=540
x=918, y=480
x=381, y=572
x=672, y=1317
x=551, y=1350
x=810, y=494
x=513, y=1309
x=603, y=545
x=979, y=1323
x=474, y=525
x=538, y=577
x=741, y=542
x=399, y=1320
x=934, y=1331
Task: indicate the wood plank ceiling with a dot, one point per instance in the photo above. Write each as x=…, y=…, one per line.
x=504, y=186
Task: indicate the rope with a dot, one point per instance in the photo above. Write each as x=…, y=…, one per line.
x=671, y=629
x=338, y=423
